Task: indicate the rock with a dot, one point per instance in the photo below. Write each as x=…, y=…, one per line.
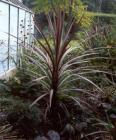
x=53, y=135
x=40, y=138
x=113, y=116
x=3, y=117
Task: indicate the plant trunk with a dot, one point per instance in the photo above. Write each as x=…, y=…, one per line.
x=53, y=110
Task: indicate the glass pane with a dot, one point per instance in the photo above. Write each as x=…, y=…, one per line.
x=28, y=28
x=3, y=37
x=21, y=34
x=32, y=29
x=21, y=26
x=13, y=35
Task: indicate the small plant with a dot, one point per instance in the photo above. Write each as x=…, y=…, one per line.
x=21, y=85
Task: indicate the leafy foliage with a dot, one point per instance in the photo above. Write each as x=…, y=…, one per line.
x=75, y=8
x=24, y=120
x=21, y=85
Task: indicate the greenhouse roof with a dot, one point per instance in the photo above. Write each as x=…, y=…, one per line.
x=17, y=3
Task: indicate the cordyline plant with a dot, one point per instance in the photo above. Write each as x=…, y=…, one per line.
x=55, y=63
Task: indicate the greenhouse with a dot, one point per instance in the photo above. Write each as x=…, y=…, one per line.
x=16, y=27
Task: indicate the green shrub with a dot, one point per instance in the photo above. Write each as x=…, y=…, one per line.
x=21, y=86
x=25, y=120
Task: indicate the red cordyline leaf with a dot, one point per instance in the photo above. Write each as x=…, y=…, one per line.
x=53, y=57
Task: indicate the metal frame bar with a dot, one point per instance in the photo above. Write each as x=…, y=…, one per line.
x=8, y=35
x=17, y=35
